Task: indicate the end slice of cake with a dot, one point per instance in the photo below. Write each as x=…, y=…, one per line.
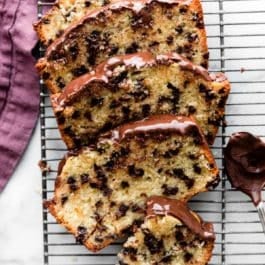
x=172, y=234
x=101, y=190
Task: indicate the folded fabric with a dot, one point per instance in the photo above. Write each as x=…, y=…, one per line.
x=19, y=89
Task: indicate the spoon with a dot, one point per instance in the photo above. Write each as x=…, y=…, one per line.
x=244, y=158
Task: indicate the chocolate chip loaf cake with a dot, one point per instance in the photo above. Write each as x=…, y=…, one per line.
x=62, y=15
x=172, y=234
x=134, y=86
x=101, y=190
x=125, y=27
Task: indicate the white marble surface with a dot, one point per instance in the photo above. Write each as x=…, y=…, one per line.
x=20, y=211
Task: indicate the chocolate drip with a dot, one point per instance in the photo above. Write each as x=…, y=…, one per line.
x=158, y=205
x=245, y=164
x=138, y=60
x=169, y=123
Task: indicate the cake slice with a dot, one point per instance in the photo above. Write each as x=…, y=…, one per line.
x=125, y=27
x=131, y=87
x=62, y=14
x=101, y=190
x=172, y=234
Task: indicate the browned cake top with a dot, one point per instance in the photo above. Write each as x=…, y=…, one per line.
x=105, y=70
x=158, y=205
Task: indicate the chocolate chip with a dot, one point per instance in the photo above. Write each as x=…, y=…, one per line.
x=107, y=126
x=146, y=108
x=45, y=75
x=129, y=251
x=206, y=56
x=197, y=169
x=64, y=199
x=112, y=204
x=84, y=178
x=169, y=40
x=96, y=102
x=114, y=104
x=135, y=172
x=169, y=190
x=187, y=257
x=81, y=234
x=136, y=208
x=166, y=259
x=71, y=180
x=45, y=21
x=88, y=115
x=106, y=190
x=79, y=70
x=191, y=37
x=222, y=102
x=191, y=109
x=179, y=236
x=192, y=156
x=179, y=49
x=132, y=48
x=178, y=172
x=76, y=114
x=124, y=184
x=60, y=82
x=213, y=184
x=91, y=59
x=73, y=187
x=179, y=29
x=87, y=4
x=153, y=244
x=142, y=19
x=109, y=164
x=68, y=131
x=202, y=88
x=153, y=43
x=170, y=153
x=113, y=50
x=119, y=78
x=74, y=50
x=126, y=111
x=183, y=9
x=93, y=37
x=61, y=120
x=99, y=204
x=122, y=210
x=124, y=151
x=195, y=134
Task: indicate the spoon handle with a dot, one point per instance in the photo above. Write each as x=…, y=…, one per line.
x=261, y=211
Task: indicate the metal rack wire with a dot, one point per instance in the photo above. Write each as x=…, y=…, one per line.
x=236, y=36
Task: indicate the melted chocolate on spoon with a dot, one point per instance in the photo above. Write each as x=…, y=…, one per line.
x=245, y=164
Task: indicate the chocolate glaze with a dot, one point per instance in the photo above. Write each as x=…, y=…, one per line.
x=134, y=5
x=105, y=70
x=169, y=123
x=158, y=205
x=245, y=164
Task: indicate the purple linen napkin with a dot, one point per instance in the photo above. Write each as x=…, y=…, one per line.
x=19, y=89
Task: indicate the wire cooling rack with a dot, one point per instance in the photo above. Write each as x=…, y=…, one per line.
x=236, y=37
